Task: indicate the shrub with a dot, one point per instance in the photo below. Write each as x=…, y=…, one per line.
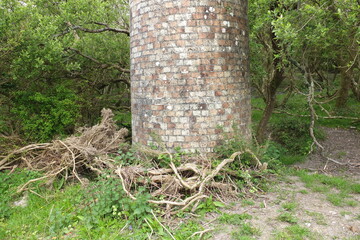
x=45, y=115
x=293, y=134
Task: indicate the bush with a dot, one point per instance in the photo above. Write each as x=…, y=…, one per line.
x=45, y=115
x=293, y=134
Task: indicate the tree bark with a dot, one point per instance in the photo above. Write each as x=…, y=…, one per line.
x=273, y=85
x=343, y=94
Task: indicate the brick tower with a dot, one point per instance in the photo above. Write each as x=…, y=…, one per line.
x=189, y=71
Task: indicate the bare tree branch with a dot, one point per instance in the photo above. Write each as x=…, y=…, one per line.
x=102, y=65
x=105, y=29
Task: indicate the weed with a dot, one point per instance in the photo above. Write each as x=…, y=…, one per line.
x=107, y=198
x=287, y=217
x=164, y=159
x=245, y=231
x=186, y=229
x=8, y=186
x=303, y=191
x=247, y=202
x=340, y=155
x=295, y=232
x=58, y=220
x=235, y=219
x=323, y=183
x=231, y=143
x=126, y=158
x=344, y=213
x=209, y=205
x=289, y=206
x=319, y=218
x=340, y=199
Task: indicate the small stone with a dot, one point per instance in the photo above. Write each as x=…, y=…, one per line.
x=23, y=202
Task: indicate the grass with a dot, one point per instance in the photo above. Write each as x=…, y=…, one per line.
x=234, y=219
x=295, y=232
x=287, y=217
x=338, y=183
x=247, y=202
x=64, y=214
x=292, y=132
x=289, y=206
x=336, y=189
x=245, y=231
x=318, y=217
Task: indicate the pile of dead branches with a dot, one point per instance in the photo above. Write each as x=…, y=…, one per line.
x=185, y=185
x=86, y=151
x=173, y=187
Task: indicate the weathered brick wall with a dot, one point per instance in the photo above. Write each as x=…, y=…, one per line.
x=189, y=71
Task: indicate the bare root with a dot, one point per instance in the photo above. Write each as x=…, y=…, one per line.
x=172, y=183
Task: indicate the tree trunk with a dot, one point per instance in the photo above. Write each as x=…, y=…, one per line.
x=355, y=89
x=343, y=93
x=273, y=85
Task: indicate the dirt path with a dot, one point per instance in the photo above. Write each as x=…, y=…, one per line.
x=343, y=145
x=293, y=210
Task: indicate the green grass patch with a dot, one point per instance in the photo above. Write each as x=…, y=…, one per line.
x=315, y=180
x=287, y=217
x=328, y=184
x=303, y=191
x=340, y=199
x=234, y=219
x=295, y=232
x=100, y=211
x=247, y=202
x=245, y=231
x=289, y=206
x=318, y=217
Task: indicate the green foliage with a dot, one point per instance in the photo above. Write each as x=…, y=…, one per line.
x=231, y=144
x=164, y=159
x=289, y=206
x=9, y=182
x=58, y=220
x=108, y=199
x=75, y=212
x=126, y=157
x=234, y=219
x=326, y=184
x=209, y=205
x=295, y=232
x=287, y=217
x=247, y=202
x=54, y=76
x=342, y=184
x=293, y=134
x=46, y=115
x=245, y=231
x=319, y=218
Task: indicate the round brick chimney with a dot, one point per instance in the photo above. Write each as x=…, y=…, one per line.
x=189, y=72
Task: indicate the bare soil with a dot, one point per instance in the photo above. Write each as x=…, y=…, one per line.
x=342, y=145
x=313, y=210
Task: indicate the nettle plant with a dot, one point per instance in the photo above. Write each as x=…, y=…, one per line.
x=108, y=199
